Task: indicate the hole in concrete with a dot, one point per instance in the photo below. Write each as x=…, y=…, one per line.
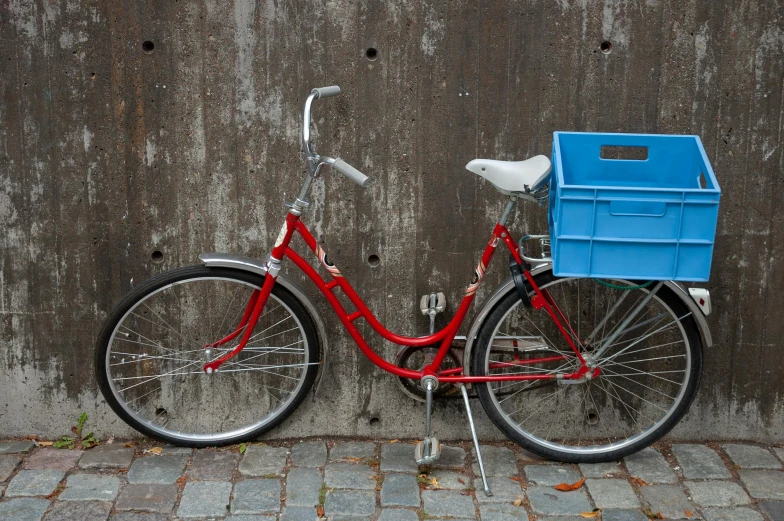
x=371, y=54
x=592, y=418
x=148, y=46
x=374, y=260
x=161, y=413
x=606, y=47
x=157, y=256
x=375, y=422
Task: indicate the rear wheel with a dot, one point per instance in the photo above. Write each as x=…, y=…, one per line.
x=648, y=376
x=151, y=353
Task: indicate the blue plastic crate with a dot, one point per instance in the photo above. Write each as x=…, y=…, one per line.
x=652, y=217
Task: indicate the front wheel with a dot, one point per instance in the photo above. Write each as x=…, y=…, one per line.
x=153, y=347
x=647, y=377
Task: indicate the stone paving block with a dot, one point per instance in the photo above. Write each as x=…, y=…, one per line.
x=250, y=517
x=82, y=510
x=450, y=479
x=169, y=450
x=212, y=465
x=398, y=457
x=291, y=513
x=447, y=503
x=39, y=482
x=53, y=459
x=623, y=514
x=397, y=514
x=773, y=509
x=717, y=493
x=149, y=498
x=349, y=503
x=670, y=500
x=548, y=501
x=90, y=487
x=700, y=462
x=498, y=461
x=16, y=447
x=8, y=464
x=139, y=516
x=501, y=512
x=23, y=509
x=263, y=460
x=400, y=490
x=107, y=457
x=256, y=496
x=352, y=449
x=303, y=486
x=550, y=475
x=309, y=454
x=451, y=457
x=733, y=514
x=347, y=475
x=761, y=484
x=612, y=493
x=162, y=470
x=205, y=499
x=600, y=470
x=650, y=466
x=751, y=457
x=504, y=490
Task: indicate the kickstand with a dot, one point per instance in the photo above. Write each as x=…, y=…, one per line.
x=488, y=493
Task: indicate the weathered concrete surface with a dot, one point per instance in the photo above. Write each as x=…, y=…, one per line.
x=109, y=153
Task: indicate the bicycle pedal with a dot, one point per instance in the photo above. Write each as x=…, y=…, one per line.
x=434, y=449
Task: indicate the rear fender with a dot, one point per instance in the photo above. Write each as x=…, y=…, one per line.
x=508, y=285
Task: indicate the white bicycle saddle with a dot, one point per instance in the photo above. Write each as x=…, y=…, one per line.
x=514, y=176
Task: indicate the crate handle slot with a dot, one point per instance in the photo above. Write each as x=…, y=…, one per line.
x=638, y=208
x=623, y=152
x=701, y=180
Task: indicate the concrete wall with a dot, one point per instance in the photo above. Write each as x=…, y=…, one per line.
x=108, y=153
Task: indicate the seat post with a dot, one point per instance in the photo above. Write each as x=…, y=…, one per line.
x=507, y=210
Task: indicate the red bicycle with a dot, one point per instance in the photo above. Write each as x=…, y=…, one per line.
x=577, y=370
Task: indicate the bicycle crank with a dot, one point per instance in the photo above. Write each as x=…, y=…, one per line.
x=417, y=358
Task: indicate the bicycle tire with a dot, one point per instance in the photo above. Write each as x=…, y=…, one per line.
x=597, y=420
x=151, y=351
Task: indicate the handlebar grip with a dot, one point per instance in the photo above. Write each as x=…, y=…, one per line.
x=351, y=172
x=326, y=92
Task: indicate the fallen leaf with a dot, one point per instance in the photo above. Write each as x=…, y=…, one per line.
x=518, y=502
x=460, y=480
x=181, y=480
x=129, y=445
x=44, y=443
x=596, y=513
x=565, y=487
x=638, y=482
x=320, y=511
x=353, y=460
x=393, y=441
x=689, y=513
x=516, y=478
x=154, y=450
x=434, y=483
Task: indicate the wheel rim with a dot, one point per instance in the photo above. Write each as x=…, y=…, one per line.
x=155, y=357
x=644, y=375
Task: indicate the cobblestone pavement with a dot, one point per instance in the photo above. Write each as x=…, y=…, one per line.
x=379, y=481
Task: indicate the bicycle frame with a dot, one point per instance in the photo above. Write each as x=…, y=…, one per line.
x=540, y=300
x=444, y=337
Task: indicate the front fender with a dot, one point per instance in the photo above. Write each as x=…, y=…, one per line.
x=240, y=262
x=508, y=285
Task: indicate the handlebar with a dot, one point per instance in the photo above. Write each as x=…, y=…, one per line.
x=314, y=160
x=351, y=172
x=326, y=92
